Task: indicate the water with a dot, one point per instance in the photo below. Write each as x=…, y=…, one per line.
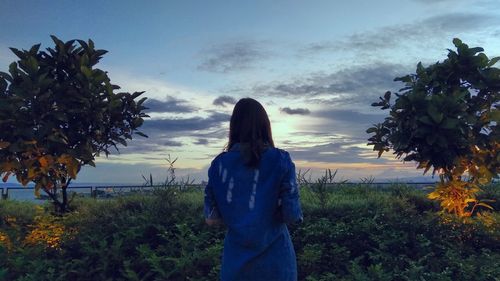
x=28, y=194
x=103, y=191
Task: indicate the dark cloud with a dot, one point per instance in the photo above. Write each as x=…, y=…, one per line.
x=359, y=85
x=421, y=33
x=233, y=56
x=201, y=141
x=154, y=143
x=223, y=100
x=161, y=133
x=138, y=145
x=218, y=134
x=144, y=147
x=349, y=123
x=172, y=143
x=171, y=104
x=293, y=111
x=171, y=125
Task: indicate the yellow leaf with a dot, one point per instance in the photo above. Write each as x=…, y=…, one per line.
x=483, y=180
x=485, y=205
x=4, y=144
x=31, y=173
x=71, y=164
x=65, y=159
x=73, y=169
x=44, y=162
x=433, y=195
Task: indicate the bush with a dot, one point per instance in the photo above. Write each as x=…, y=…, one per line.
x=360, y=234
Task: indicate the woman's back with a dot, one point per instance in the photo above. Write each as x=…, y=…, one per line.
x=248, y=196
x=254, y=203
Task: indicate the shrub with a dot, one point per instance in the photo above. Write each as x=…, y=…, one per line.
x=361, y=234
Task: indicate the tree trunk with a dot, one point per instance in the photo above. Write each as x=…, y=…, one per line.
x=55, y=200
x=64, y=203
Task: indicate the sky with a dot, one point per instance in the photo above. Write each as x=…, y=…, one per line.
x=316, y=66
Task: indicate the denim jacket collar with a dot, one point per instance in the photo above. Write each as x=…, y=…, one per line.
x=237, y=146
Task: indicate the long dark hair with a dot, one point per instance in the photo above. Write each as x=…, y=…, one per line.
x=250, y=127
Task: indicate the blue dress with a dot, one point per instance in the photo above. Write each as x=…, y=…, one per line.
x=255, y=204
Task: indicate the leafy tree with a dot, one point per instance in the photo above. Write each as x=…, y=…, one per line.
x=57, y=113
x=446, y=118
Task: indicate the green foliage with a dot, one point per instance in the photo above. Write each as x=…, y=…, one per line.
x=447, y=118
x=360, y=234
x=58, y=112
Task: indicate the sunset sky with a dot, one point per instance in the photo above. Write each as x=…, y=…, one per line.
x=316, y=66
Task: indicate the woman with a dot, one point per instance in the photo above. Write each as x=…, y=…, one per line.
x=252, y=189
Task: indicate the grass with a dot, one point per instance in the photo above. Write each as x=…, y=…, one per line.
x=349, y=233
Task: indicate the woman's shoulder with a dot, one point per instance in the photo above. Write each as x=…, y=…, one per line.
x=281, y=156
x=219, y=157
x=281, y=152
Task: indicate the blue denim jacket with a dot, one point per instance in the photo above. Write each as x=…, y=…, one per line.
x=255, y=204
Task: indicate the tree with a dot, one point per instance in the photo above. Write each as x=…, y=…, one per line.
x=57, y=113
x=446, y=118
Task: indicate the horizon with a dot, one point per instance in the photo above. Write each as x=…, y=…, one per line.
x=315, y=66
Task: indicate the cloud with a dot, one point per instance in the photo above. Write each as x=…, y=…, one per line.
x=170, y=105
x=293, y=111
x=201, y=141
x=354, y=86
x=333, y=152
x=218, y=134
x=349, y=116
x=234, y=56
x=164, y=93
x=155, y=143
x=350, y=123
x=172, y=125
x=161, y=132
x=420, y=33
x=223, y=100
x=140, y=145
x=172, y=143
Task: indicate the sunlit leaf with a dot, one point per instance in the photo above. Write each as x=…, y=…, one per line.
x=485, y=205
x=31, y=173
x=4, y=144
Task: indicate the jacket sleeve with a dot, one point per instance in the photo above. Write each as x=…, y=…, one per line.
x=210, y=209
x=289, y=193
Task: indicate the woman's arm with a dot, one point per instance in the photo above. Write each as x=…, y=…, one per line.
x=289, y=194
x=210, y=210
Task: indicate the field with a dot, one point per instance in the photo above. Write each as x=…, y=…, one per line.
x=349, y=233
